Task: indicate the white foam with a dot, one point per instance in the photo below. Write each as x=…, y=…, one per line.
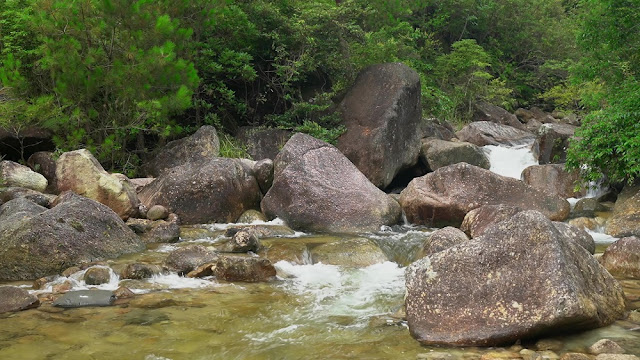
x=225, y=226
x=77, y=282
x=600, y=237
x=510, y=161
x=175, y=281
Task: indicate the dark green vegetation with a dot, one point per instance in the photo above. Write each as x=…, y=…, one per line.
x=121, y=77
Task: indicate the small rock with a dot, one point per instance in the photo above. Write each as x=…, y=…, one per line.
x=39, y=284
x=606, y=346
x=575, y=356
x=250, y=216
x=549, y=344
x=243, y=268
x=97, y=275
x=202, y=271
x=435, y=355
x=63, y=287
x=527, y=354
x=123, y=293
x=157, y=212
x=140, y=271
x=15, y=299
x=501, y=355
x=70, y=271
x=616, y=357
x=244, y=241
x=188, y=258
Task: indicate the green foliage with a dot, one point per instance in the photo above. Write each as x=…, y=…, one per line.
x=608, y=142
x=231, y=148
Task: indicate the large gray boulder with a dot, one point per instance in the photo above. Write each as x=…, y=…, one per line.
x=483, y=133
x=554, y=179
x=382, y=115
x=625, y=220
x=484, y=111
x=521, y=279
x=554, y=142
x=213, y=190
x=439, y=153
x=202, y=145
x=14, y=174
x=478, y=220
x=80, y=172
x=37, y=242
x=316, y=188
x=446, y=195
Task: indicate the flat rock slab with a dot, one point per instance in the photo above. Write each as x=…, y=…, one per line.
x=83, y=298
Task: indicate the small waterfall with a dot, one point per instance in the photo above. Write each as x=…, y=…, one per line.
x=510, y=161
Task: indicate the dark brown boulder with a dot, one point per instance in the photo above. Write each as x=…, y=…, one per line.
x=76, y=230
x=263, y=143
x=263, y=171
x=382, y=115
x=140, y=271
x=215, y=190
x=483, y=133
x=622, y=258
x=97, y=275
x=13, y=298
x=483, y=111
x=521, y=279
x=202, y=145
x=316, y=188
x=553, y=179
x=554, y=142
x=446, y=195
x=439, y=153
x=478, y=220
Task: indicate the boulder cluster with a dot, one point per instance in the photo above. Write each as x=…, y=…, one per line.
x=505, y=268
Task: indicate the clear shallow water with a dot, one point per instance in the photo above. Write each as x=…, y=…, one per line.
x=314, y=311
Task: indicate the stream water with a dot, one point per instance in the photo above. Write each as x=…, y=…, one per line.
x=312, y=311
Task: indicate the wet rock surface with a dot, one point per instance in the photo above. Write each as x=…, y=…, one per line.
x=471, y=294
x=358, y=252
x=188, y=258
x=622, y=258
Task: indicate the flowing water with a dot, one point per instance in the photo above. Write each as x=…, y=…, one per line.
x=312, y=310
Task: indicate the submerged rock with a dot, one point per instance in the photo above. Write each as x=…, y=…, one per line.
x=13, y=298
x=140, y=271
x=358, y=252
x=521, y=279
x=83, y=298
x=316, y=188
x=76, y=230
x=382, y=116
x=446, y=195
